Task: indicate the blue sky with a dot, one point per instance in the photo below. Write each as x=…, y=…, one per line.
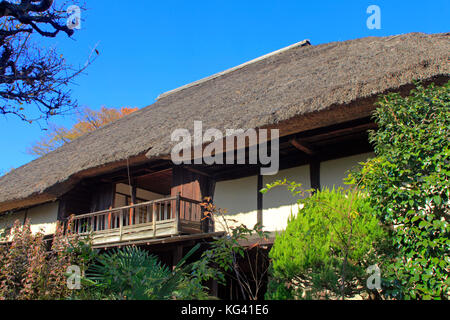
x=149, y=47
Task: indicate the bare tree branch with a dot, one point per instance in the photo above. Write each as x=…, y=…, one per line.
x=31, y=74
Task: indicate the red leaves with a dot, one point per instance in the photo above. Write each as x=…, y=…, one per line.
x=28, y=271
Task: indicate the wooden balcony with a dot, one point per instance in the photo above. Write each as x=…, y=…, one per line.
x=153, y=219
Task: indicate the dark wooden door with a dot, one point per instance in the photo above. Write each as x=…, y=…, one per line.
x=193, y=186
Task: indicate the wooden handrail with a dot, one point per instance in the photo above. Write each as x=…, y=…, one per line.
x=177, y=209
x=190, y=200
x=86, y=215
x=174, y=215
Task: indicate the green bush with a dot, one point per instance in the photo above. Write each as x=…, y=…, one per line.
x=326, y=247
x=278, y=289
x=227, y=258
x=409, y=186
x=132, y=273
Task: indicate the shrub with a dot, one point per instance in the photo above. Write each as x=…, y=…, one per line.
x=409, y=186
x=29, y=271
x=326, y=247
x=132, y=273
x=227, y=255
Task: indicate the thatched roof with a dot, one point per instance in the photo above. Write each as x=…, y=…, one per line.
x=294, y=84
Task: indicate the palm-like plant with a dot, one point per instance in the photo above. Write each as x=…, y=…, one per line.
x=132, y=273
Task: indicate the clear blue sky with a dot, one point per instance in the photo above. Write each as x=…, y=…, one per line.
x=149, y=47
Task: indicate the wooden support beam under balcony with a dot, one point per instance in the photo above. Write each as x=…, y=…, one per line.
x=160, y=218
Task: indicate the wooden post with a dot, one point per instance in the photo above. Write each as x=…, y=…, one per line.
x=177, y=213
x=154, y=219
x=190, y=211
x=133, y=202
x=260, y=200
x=130, y=220
x=214, y=289
x=25, y=217
x=177, y=255
x=120, y=224
x=314, y=173
x=166, y=214
x=109, y=219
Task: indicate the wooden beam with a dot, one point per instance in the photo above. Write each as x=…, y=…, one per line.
x=302, y=147
x=154, y=173
x=163, y=241
x=133, y=192
x=314, y=174
x=262, y=242
x=197, y=171
x=25, y=217
x=236, y=172
x=260, y=200
x=122, y=174
x=294, y=160
x=177, y=256
x=341, y=132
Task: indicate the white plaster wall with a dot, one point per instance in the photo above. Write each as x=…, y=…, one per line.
x=278, y=203
x=333, y=172
x=7, y=220
x=42, y=218
x=239, y=198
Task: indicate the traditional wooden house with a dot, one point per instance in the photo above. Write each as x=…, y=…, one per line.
x=120, y=182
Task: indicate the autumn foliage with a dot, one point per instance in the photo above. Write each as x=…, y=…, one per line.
x=88, y=120
x=29, y=271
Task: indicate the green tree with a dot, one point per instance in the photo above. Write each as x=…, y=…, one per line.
x=409, y=186
x=326, y=247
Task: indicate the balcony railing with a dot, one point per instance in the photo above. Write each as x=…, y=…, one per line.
x=152, y=219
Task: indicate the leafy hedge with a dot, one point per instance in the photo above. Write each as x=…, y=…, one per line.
x=409, y=187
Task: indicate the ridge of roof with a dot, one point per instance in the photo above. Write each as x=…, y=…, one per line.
x=302, y=43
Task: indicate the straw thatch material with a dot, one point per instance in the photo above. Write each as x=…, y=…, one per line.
x=294, y=84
